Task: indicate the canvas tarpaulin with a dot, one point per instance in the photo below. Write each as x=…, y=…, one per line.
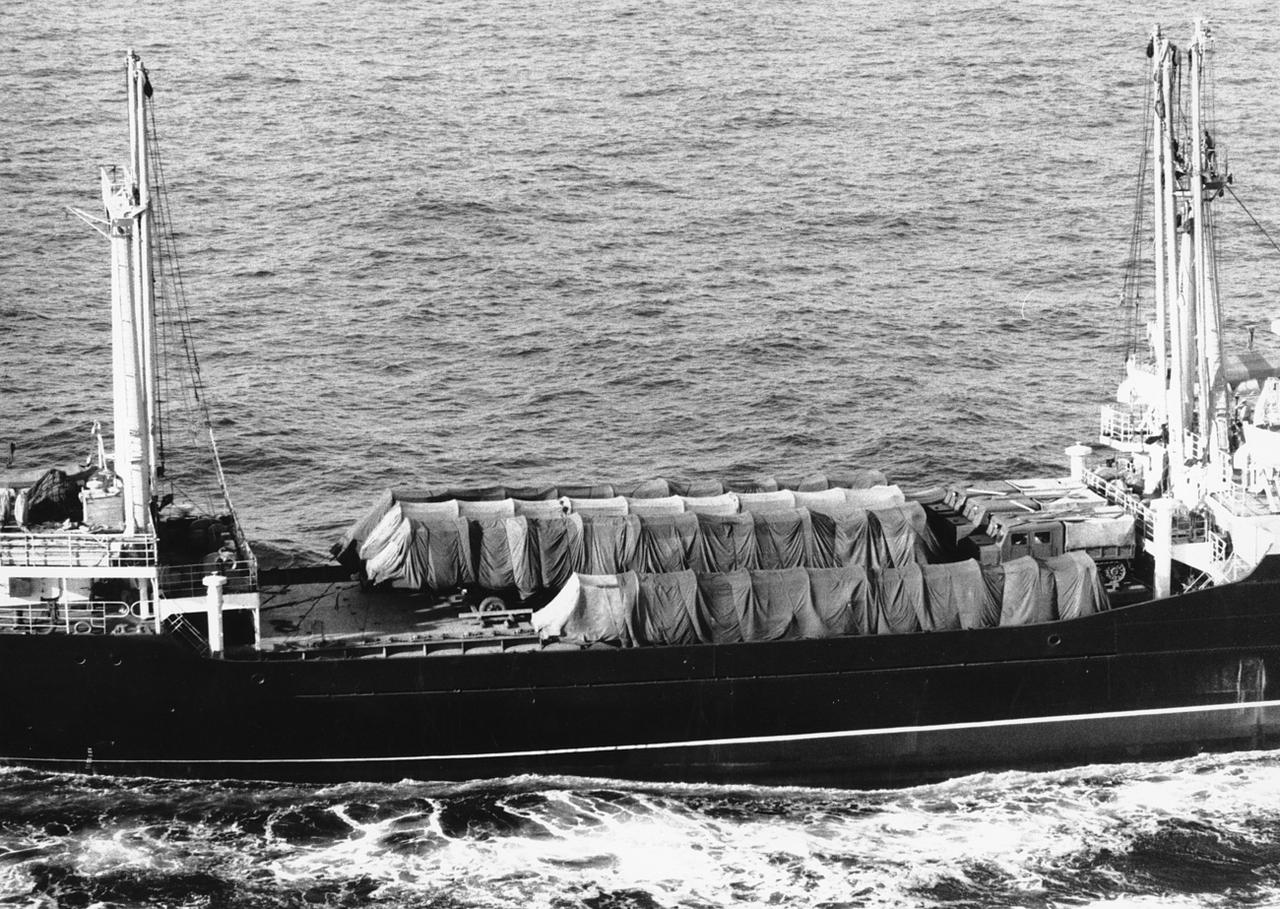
x=723, y=599
x=440, y=556
x=347, y=550
x=1079, y=590
x=725, y=503
x=428, y=511
x=989, y=615
x=557, y=544
x=842, y=599
x=587, y=490
x=539, y=508
x=726, y=542
x=487, y=508
x=767, y=501
x=616, y=505
x=478, y=493
x=827, y=500
x=656, y=488
x=667, y=543
x=780, y=607
x=666, y=609
x=953, y=592
x=784, y=539
x=841, y=537
x=874, y=497
x=751, y=484
x=387, y=547
x=1097, y=532
x=1028, y=593
x=700, y=488
x=609, y=542
x=533, y=493
x=590, y=609
x=893, y=538
x=664, y=505
x=899, y=599
x=503, y=549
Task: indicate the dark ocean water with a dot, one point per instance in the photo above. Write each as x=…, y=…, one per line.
x=560, y=241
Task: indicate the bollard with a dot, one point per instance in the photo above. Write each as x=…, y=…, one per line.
x=213, y=600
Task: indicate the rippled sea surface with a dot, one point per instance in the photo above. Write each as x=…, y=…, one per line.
x=586, y=241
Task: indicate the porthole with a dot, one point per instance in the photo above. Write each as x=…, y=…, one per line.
x=1054, y=640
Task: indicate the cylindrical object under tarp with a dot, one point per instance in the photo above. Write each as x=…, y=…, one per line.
x=842, y=599
x=726, y=542
x=784, y=539
x=666, y=609
x=1028, y=593
x=723, y=599
x=667, y=543
x=899, y=599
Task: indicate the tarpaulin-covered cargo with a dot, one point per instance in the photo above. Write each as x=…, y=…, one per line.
x=726, y=542
x=781, y=606
x=503, y=557
x=1113, y=532
x=440, y=557
x=725, y=503
x=54, y=498
x=557, y=544
x=893, y=538
x=487, y=508
x=989, y=616
x=767, y=501
x=541, y=492
x=609, y=542
x=430, y=511
x=666, y=609
x=616, y=505
x=478, y=493
x=664, y=505
x=347, y=549
x=723, y=599
x=874, y=497
x=842, y=599
x=979, y=509
x=1029, y=593
x=842, y=537
x=827, y=500
x=697, y=488
x=590, y=609
x=1079, y=590
x=539, y=508
x=857, y=478
x=387, y=546
x=955, y=596
x=656, y=488
x=668, y=543
x=784, y=539
x=814, y=482
x=751, y=484
x=899, y=599
x=586, y=490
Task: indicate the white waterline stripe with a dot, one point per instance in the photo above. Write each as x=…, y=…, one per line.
x=654, y=746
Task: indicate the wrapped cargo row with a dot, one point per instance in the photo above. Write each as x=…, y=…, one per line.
x=688, y=607
x=414, y=551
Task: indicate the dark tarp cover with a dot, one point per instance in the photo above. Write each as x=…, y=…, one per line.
x=666, y=610
x=723, y=599
x=989, y=617
x=726, y=542
x=784, y=539
x=899, y=598
x=478, y=493
x=54, y=498
x=440, y=554
x=841, y=537
x=587, y=490
x=1028, y=593
x=667, y=543
x=858, y=478
x=610, y=542
x=657, y=488
x=815, y=482
x=780, y=607
x=533, y=493
x=893, y=539
x=504, y=560
x=1079, y=590
x=591, y=609
x=842, y=599
x=421, y=493
x=752, y=484
x=557, y=544
x=699, y=488
x=928, y=549
x=953, y=592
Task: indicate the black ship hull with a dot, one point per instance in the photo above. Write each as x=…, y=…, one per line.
x=1160, y=679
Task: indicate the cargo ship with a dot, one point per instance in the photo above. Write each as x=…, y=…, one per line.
x=835, y=629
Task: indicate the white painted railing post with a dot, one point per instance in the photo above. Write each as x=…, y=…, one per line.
x=213, y=600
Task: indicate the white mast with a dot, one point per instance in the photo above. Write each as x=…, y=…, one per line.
x=1166, y=246
x=144, y=280
x=1159, y=342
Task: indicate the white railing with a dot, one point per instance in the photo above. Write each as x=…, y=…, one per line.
x=1123, y=424
x=78, y=550
x=1116, y=493
x=90, y=617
